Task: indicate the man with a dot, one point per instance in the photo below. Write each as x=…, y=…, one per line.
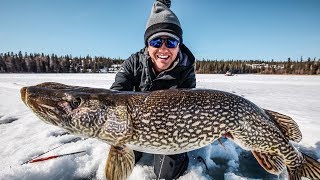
x=164, y=63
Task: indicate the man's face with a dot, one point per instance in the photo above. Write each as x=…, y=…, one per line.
x=163, y=56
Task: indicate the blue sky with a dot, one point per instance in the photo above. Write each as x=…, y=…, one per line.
x=213, y=29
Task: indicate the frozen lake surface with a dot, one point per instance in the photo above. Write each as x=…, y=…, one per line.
x=23, y=135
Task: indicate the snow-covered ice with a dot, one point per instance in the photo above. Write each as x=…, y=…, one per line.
x=23, y=136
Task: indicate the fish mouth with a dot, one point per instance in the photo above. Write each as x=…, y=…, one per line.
x=28, y=98
x=23, y=93
x=31, y=96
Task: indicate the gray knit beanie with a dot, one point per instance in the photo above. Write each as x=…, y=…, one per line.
x=162, y=22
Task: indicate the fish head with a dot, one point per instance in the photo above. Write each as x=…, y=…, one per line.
x=90, y=112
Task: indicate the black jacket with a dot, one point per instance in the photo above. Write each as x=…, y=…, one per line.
x=136, y=73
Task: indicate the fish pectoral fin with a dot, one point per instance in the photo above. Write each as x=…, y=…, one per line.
x=287, y=125
x=272, y=163
x=120, y=163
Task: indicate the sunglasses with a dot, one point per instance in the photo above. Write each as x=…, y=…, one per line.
x=169, y=42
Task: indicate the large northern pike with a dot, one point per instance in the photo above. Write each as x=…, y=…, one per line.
x=170, y=122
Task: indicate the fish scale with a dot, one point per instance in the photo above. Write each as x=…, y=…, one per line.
x=207, y=112
x=170, y=122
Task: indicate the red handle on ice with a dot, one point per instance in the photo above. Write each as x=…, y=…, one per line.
x=53, y=157
x=43, y=159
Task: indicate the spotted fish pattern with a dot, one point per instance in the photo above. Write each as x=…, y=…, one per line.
x=173, y=121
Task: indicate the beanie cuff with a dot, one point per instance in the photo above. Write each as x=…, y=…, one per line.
x=163, y=27
x=161, y=34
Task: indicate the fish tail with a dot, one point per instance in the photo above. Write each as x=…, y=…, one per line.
x=120, y=163
x=310, y=169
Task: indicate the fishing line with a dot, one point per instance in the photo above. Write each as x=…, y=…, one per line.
x=161, y=167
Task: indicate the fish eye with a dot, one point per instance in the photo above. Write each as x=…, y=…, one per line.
x=75, y=102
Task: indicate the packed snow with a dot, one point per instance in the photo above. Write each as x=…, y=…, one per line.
x=23, y=136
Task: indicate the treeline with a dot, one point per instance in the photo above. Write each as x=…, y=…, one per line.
x=42, y=63
x=308, y=66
